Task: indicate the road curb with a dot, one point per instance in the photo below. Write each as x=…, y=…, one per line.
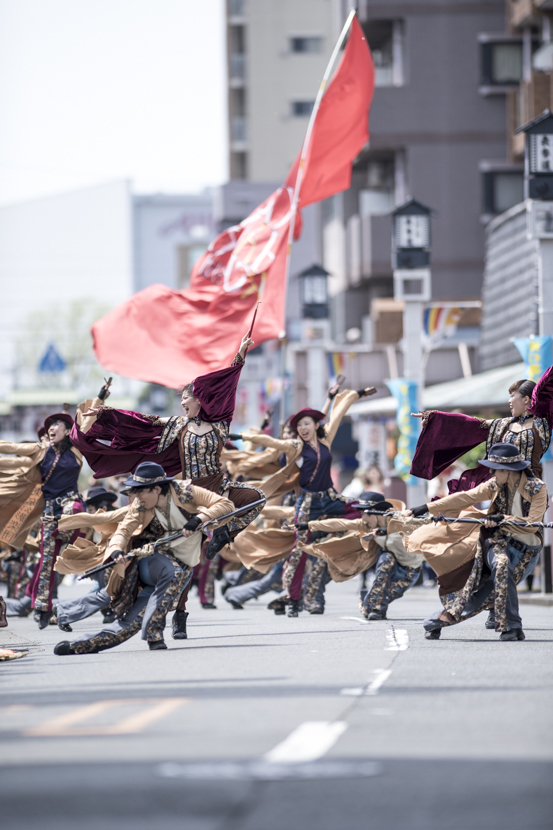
x=545, y=600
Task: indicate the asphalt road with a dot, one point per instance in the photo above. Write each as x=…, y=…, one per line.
x=259, y=722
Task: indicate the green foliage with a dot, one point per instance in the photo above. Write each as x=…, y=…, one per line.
x=471, y=458
x=67, y=326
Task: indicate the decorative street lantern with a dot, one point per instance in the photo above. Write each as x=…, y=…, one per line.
x=411, y=235
x=538, y=157
x=314, y=292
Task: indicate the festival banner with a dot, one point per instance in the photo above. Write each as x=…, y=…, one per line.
x=537, y=353
x=405, y=393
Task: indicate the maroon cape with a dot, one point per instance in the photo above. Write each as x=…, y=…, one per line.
x=120, y=440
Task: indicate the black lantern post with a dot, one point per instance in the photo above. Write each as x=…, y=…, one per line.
x=538, y=157
x=314, y=293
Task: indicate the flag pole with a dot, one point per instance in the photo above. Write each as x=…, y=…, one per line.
x=299, y=177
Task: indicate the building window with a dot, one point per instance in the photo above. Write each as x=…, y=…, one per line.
x=302, y=108
x=501, y=63
x=238, y=166
x=187, y=255
x=385, y=38
x=377, y=197
x=502, y=190
x=306, y=44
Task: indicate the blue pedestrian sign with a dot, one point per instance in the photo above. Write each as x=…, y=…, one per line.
x=51, y=361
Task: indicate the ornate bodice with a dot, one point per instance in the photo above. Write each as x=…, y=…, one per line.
x=200, y=454
x=500, y=431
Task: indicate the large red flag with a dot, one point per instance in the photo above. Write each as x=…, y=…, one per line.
x=170, y=337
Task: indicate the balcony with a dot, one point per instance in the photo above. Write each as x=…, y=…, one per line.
x=524, y=103
x=238, y=132
x=237, y=68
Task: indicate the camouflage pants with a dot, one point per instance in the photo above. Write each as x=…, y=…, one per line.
x=52, y=541
x=505, y=596
x=313, y=592
x=169, y=577
x=309, y=506
x=385, y=589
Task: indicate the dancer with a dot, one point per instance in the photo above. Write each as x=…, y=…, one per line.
x=99, y=503
x=479, y=568
x=447, y=436
x=158, y=570
x=311, y=453
x=45, y=482
x=189, y=445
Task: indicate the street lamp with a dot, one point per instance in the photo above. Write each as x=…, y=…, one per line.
x=538, y=156
x=314, y=303
x=314, y=293
x=412, y=286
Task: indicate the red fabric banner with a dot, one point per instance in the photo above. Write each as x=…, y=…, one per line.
x=170, y=337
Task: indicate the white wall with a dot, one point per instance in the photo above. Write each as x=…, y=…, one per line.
x=58, y=249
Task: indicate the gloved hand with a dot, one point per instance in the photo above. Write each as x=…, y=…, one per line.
x=115, y=554
x=495, y=517
x=380, y=531
x=193, y=523
x=302, y=526
x=419, y=511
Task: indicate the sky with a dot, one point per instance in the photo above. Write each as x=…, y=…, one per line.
x=96, y=90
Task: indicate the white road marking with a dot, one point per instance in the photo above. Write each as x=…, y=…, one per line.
x=380, y=679
x=397, y=639
x=311, y=740
x=356, y=619
x=372, y=688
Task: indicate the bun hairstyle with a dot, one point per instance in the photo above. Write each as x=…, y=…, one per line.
x=525, y=388
x=320, y=432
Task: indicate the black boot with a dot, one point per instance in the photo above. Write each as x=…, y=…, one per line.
x=64, y=626
x=44, y=619
x=490, y=622
x=156, y=645
x=109, y=617
x=63, y=648
x=433, y=634
x=220, y=539
x=376, y=615
x=179, y=625
x=293, y=607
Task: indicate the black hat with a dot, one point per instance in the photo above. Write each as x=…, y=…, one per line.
x=505, y=457
x=58, y=416
x=99, y=495
x=147, y=474
x=371, y=497
x=381, y=507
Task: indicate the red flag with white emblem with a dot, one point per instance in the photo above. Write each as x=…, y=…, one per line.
x=170, y=337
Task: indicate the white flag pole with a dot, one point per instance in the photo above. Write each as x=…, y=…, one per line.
x=299, y=177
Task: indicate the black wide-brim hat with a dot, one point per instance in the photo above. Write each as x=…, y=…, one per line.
x=307, y=412
x=58, y=416
x=147, y=474
x=99, y=495
x=504, y=457
x=381, y=507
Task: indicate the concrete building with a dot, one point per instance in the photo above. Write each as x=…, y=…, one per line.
x=65, y=261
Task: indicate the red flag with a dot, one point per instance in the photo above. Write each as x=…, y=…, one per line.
x=341, y=127
x=170, y=337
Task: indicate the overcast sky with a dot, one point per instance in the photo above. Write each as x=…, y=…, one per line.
x=94, y=90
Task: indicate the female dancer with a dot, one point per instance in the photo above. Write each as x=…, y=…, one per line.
x=48, y=480
x=189, y=445
x=446, y=436
x=317, y=496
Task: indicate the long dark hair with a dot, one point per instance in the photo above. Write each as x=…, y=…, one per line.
x=64, y=445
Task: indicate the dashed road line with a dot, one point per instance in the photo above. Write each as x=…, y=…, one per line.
x=308, y=742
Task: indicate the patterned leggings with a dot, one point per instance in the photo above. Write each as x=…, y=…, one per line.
x=43, y=581
x=148, y=612
x=308, y=508
x=385, y=589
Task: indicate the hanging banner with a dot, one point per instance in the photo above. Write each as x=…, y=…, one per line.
x=405, y=392
x=537, y=353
